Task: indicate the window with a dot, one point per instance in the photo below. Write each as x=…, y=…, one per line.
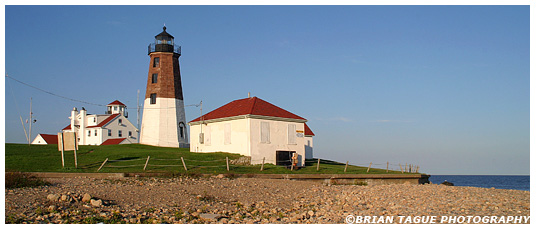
x=227, y=133
x=130, y=133
x=153, y=98
x=120, y=121
x=109, y=132
x=265, y=132
x=156, y=62
x=291, y=134
x=181, y=129
x=89, y=133
x=154, y=79
x=95, y=132
x=120, y=133
x=207, y=136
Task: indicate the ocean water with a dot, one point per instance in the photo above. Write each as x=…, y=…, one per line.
x=485, y=181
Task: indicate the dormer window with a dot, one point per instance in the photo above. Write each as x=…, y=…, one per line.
x=120, y=121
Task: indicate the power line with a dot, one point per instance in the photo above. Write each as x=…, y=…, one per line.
x=53, y=94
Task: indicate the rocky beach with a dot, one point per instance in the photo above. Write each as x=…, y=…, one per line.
x=185, y=200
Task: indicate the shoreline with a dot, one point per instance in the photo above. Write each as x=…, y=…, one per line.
x=248, y=200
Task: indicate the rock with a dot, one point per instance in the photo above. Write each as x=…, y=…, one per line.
x=209, y=216
x=52, y=208
x=96, y=203
x=64, y=198
x=53, y=197
x=86, y=198
x=447, y=183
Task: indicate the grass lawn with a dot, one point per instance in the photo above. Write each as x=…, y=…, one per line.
x=132, y=158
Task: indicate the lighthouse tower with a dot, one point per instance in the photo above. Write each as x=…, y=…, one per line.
x=163, y=122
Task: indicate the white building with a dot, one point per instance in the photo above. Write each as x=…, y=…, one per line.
x=253, y=127
x=110, y=128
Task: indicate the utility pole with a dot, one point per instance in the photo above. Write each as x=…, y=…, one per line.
x=31, y=121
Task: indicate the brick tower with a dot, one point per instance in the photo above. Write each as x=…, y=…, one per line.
x=164, y=122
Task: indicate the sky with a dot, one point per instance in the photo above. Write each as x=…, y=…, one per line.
x=443, y=87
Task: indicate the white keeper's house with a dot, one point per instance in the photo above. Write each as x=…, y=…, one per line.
x=110, y=128
x=253, y=127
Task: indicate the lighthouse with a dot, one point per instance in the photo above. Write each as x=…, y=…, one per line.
x=164, y=120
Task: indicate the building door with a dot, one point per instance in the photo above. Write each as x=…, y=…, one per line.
x=283, y=157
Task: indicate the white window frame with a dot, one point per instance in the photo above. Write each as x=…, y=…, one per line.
x=227, y=134
x=265, y=132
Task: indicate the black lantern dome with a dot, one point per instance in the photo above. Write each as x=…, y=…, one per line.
x=164, y=42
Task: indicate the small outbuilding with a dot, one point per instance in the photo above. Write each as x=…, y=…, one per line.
x=45, y=139
x=256, y=128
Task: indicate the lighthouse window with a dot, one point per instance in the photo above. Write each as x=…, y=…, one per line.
x=156, y=62
x=154, y=79
x=153, y=98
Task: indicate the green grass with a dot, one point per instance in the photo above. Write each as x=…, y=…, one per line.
x=47, y=158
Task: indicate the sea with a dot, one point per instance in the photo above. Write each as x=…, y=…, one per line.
x=485, y=181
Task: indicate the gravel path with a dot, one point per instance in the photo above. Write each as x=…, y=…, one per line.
x=249, y=200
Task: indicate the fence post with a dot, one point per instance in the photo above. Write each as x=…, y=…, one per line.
x=318, y=164
x=227, y=161
x=387, y=166
x=369, y=167
x=417, y=169
x=406, y=168
x=146, y=162
x=401, y=170
x=183, y=164
x=262, y=166
x=102, y=164
x=345, y=167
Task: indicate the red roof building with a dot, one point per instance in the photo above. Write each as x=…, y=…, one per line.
x=248, y=106
x=45, y=139
x=256, y=128
x=98, y=129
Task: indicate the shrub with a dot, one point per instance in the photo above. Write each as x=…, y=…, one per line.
x=20, y=180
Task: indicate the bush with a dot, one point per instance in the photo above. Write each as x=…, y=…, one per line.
x=21, y=180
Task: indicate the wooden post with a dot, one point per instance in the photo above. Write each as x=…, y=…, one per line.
x=61, y=147
x=406, y=168
x=417, y=169
x=102, y=164
x=410, y=169
x=318, y=165
x=345, y=167
x=146, y=162
x=402, y=170
x=227, y=160
x=369, y=167
x=183, y=164
x=75, y=147
x=291, y=167
x=262, y=166
x=387, y=166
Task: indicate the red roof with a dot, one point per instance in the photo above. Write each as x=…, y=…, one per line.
x=50, y=138
x=115, y=141
x=116, y=102
x=248, y=106
x=103, y=123
x=308, y=131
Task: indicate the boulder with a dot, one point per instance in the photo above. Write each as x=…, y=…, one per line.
x=447, y=183
x=86, y=198
x=53, y=197
x=96, y=203
x=209, y=216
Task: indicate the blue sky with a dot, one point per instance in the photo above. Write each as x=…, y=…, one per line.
x=443, y=87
